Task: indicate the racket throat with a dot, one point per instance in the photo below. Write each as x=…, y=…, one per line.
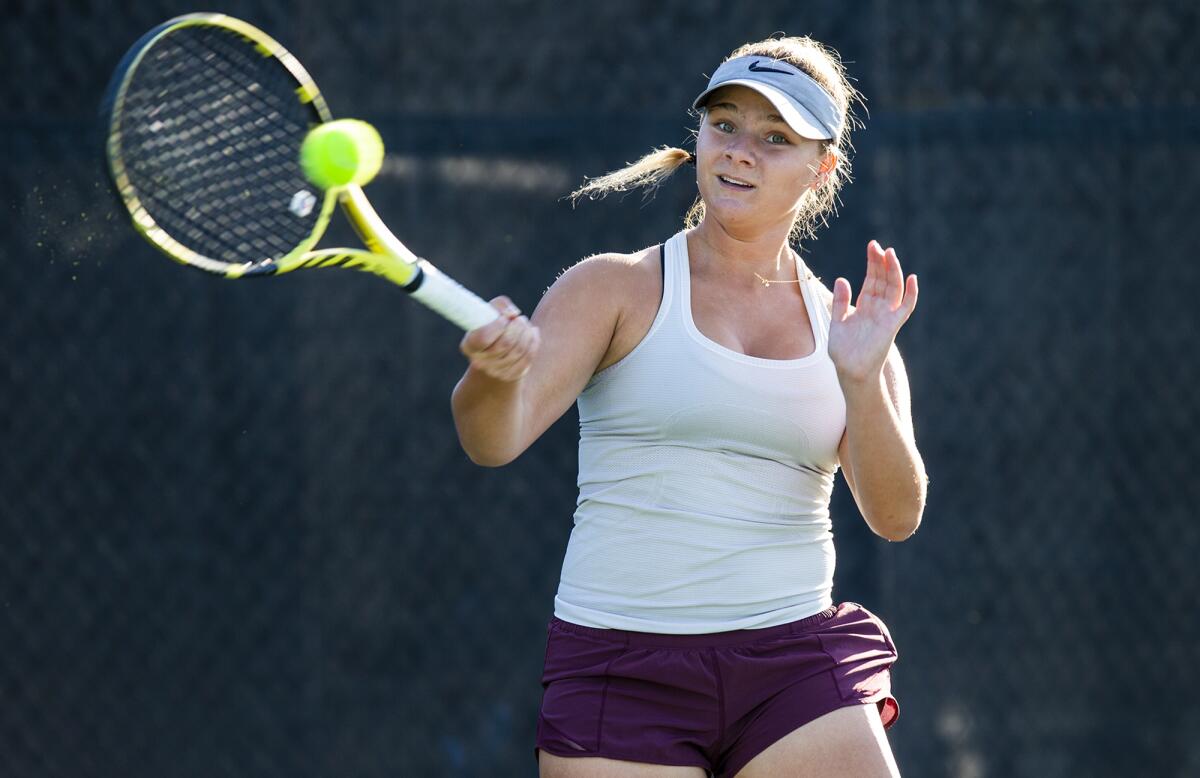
x=417, y=280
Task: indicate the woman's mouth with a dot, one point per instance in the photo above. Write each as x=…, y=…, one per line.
x=735, y=183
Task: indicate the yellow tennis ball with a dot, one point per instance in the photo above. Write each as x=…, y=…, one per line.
x=341, y=152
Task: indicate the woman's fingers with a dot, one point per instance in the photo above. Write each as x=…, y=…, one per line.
x=509, y=356
x=480, y=338
x=519, y=359
x=513, y=344
x=504, y=348
x=910, y=296
x=885, y=280
x=895, y=278
x=841, y=299
x=872, y=284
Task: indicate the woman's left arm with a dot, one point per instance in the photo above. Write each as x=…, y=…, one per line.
x=878, y=450
x=879, y=454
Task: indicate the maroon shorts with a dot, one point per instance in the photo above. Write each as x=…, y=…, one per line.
x=713, y=701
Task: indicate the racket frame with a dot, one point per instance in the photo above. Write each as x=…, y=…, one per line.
x=385, y=255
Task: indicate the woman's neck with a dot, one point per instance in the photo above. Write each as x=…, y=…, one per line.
x=742, y=258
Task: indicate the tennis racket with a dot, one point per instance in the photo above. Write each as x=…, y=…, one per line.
x=205, y=117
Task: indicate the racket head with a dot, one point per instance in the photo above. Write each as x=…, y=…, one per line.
x=205, y=116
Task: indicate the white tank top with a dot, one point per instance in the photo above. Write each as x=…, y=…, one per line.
x=704, y=479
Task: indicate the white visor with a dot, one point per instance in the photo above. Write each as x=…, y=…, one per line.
x=806, y=107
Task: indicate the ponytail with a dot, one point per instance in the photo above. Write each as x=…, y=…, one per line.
x=649, y=171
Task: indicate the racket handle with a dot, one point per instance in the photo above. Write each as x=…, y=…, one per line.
x=445, y=296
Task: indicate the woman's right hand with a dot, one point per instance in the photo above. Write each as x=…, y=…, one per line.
x=505, y=348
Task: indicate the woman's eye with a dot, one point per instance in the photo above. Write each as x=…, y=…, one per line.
x=723, y=126
x=777, y=138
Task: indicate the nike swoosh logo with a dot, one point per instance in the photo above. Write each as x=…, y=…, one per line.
x=757, y=68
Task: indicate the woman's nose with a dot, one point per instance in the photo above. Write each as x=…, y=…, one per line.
x=738, y=149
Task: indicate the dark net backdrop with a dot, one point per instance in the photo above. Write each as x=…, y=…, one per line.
x=238, y=537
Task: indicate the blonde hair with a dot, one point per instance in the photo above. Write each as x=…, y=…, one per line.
x=825, y=67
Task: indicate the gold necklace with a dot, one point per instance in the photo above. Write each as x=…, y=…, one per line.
x=766, y=282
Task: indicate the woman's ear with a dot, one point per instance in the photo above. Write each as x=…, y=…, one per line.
x=825, y=169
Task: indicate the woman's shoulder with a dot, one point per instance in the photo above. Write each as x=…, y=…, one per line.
x=615, y=266
x=622, y=290
x=615, y=277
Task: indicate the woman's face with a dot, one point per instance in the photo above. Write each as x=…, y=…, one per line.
x=752, y=169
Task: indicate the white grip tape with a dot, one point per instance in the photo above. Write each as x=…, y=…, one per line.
x=444, y=295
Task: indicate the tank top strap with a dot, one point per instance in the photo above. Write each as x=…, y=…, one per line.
x=674, y=272
x=814, y=298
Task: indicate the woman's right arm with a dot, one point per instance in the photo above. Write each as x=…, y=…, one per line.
x=523, y=375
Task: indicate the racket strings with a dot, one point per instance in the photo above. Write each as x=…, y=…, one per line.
x=234, y=111
x=211, y=131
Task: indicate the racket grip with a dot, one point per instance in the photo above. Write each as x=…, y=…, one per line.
x=442, y=294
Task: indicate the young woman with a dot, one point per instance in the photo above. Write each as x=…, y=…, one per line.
x=720, y=388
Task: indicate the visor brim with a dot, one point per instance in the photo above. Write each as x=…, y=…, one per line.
x=799, y=118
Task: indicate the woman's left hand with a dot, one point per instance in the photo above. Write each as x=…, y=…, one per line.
x=860, y=339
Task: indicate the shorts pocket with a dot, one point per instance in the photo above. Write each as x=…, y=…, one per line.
x=862, y=652
x=575, y=680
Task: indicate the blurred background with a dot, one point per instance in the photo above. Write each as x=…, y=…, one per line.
x=237, y=534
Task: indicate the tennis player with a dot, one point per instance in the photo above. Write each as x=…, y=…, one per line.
x=720, y=387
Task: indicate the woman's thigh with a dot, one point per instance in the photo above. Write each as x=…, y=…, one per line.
x=552, y=766
x=848, y=741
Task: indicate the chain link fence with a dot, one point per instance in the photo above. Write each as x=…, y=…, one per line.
x=237, y=535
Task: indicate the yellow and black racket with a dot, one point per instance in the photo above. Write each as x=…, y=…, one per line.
x=205, y=118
